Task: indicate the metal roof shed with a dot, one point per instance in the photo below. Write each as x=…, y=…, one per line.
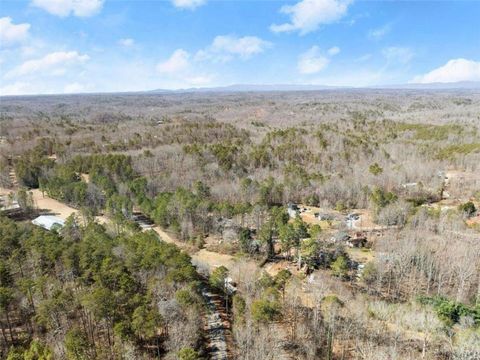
x=48, y=221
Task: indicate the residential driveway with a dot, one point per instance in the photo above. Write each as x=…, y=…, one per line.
x=215, y=328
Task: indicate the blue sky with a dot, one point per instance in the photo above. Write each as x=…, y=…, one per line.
x=65, y=46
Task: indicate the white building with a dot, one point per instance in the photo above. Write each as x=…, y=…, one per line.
x=293, y=210
x=49, y=222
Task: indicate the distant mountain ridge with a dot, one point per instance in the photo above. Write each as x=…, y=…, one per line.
x=433, y=86
x=253, y=88
x=239, y=88
x=310, y=87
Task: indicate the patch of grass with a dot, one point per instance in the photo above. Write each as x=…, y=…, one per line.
x=458, y=149
x=428, y=132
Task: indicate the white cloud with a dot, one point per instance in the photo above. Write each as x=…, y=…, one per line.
x=10, y=33
x=225, y=47
x=453, y=71
x=176, y=63
x=377, y=34
x=199, y=80
x=16, y=88
x=64, y=8
x=179, y=72
x=52, y=62
x=108, y=75
x=74, y=88
x=39, y=86
x=245, y=46
x=307, y=15
x=126, y=42
x=333, y=51
x=188, y=4
x=312, y=62
x=28, y=88
x=395, y=54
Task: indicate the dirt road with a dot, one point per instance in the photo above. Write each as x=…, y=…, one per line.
x=203, y=257
x=55, y=207
x=46, y=205
x=167, y=237
x=212, y=259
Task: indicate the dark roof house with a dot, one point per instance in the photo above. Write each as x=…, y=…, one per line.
x=358, y=240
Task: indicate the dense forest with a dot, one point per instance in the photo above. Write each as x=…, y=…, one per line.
x=92, y=295
x=327, y=225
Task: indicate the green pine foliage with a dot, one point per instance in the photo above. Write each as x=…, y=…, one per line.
x=101, y=289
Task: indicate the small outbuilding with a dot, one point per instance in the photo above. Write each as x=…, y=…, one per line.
x=49, y=222
x=293, y=210
x=230, y=286
x=9, y=206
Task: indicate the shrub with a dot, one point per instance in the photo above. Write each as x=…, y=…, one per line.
x=340, y=267
x=375, y=169
x=188, y=354
x=450, y=311
x=186, y=297
x=468, y=209
x=312, y=200
x=217, y=278
x=264, y=310
x=382, y=198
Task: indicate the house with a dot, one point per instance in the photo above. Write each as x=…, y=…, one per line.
x=49, y=222
x=142, y=221
x=293, y=210
x=8, y=205
x=358, y=240
x=230, y=286
x=353, y=217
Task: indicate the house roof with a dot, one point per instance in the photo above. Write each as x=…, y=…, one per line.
x=48, y=221
x=7, y=204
